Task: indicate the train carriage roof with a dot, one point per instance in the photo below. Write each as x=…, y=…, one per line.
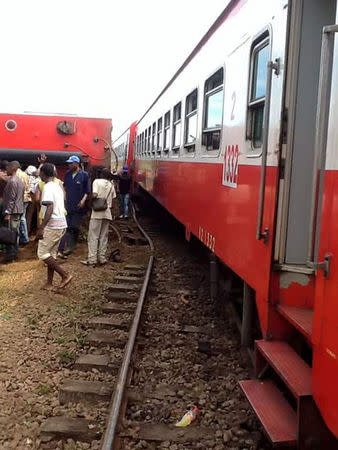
x=214, y=27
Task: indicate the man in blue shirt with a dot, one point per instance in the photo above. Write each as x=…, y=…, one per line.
x=77, y=187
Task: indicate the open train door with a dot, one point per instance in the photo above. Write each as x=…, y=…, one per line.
x=325, y=235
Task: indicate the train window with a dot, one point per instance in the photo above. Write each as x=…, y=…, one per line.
x=145, y=142
x=166, y=132
x=153, y=137
x=191, y=120
x=159, y=135
x=213, y=111
x=148, y=146
x=258, y=77
x=177, y=127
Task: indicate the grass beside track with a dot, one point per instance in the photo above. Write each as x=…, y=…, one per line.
x=41, y=333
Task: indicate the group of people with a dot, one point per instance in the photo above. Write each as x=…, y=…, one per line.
x=60, y=209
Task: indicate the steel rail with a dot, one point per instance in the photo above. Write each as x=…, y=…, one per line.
x=117, y=397
x=119, y=236
x=150, y=242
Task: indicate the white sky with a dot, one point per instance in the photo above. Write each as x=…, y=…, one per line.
x=101, y=58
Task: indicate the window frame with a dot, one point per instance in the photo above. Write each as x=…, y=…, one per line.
x=146, y=142
x=176, y=148
x=165, y=129
x=261, y=41
x=159, y=136
x=149, y=142
x=153, y=138
x=209, y=131
x=191, y=146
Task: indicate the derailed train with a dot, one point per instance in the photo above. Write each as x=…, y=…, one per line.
x=241, y=146
x=24, y=137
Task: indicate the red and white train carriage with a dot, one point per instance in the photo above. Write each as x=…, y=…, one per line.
x=241, y=147
x=123, y=148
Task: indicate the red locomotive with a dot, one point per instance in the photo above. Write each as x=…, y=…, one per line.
x=24, y=137
x=241, y=147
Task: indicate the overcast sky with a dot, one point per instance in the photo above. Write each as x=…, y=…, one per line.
x=102, y=58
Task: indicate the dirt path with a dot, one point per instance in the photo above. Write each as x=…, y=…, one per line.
x=40, y=334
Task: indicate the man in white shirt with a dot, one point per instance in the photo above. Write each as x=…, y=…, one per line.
x=103, y=189
x=53, y=226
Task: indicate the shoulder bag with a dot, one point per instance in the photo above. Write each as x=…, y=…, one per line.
x=100, y=203
x=8, y=236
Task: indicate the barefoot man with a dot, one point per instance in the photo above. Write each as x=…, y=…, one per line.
x=53, y=227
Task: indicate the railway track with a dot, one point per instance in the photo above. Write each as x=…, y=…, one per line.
x=154, y=365
x=111, y=331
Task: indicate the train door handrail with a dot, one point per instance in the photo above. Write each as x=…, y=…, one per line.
x=273, y=66
x=322, y=120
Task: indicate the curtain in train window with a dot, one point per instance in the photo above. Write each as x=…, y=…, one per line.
x=258, y=78
x=191, y=119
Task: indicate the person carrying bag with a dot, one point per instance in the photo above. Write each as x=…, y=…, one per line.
x=100, y=203
x=103, y=194
x=13, y=196
x=8, y=236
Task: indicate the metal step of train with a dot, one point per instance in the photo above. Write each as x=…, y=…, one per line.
x=279, y=420
x=277, y=414
x=300, y=318
x=281, y=396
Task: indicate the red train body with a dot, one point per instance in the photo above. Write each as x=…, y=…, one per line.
x=123, y=148
x=254, y=177
x=25, y=136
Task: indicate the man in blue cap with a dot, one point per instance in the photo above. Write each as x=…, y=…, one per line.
x=77, y=187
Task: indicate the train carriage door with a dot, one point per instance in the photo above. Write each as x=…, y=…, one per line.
x=325, y=254
x=306, y=21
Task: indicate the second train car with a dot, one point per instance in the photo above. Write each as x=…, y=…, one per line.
x=241, y=147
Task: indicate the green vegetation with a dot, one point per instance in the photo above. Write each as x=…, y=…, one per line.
x=5, y=316
x=44, y=389
x=66, y=357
